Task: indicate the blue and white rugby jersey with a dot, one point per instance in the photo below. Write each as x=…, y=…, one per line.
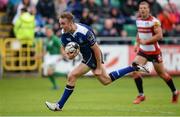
x=84, y=36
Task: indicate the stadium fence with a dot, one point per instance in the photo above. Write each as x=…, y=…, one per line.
x=15, y=57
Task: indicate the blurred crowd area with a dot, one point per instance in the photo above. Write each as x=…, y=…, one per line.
x=106, y=17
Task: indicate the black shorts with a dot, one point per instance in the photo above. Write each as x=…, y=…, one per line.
x=157, y=58
x=91, y=61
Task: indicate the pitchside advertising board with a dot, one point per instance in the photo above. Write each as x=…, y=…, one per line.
x=119, y=56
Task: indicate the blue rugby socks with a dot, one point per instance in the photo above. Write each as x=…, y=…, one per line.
x=67, y=92
x=121, y=72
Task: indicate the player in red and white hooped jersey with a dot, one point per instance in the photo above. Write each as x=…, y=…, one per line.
x=148, y=49
x=146, y=32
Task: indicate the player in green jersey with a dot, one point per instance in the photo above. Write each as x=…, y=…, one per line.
x=52, y=55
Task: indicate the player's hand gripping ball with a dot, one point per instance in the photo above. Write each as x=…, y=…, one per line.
x=72, y=50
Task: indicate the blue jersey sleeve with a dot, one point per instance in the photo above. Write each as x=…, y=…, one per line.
x=91, y=38
x=63, y=40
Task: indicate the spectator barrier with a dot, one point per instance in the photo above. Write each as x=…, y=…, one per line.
x=131, y=40
x=18, y=58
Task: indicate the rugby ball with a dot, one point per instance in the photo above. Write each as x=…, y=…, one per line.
x=72, y=47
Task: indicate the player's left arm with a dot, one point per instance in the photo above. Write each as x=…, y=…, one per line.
x=63, y=51
x=158, y=35
x=95, y=47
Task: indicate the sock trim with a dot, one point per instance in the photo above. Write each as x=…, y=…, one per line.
x=112, y=77
x=68, y=87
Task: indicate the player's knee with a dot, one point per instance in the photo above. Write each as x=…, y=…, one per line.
x=136, y=75
x=161, y=74
x=50, y=72
x=71, y=78
x=165, y=76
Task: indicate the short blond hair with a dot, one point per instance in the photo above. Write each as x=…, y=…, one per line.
x=69, y=16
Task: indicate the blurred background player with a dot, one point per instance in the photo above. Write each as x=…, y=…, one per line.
x=149, y=33
x=92, y=58
x=52, y=55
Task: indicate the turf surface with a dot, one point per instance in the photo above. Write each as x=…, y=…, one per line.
x=26, y=97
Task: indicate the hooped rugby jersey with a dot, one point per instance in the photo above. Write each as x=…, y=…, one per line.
x=146, y=31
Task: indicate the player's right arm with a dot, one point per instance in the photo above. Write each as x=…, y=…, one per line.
x=137, y=44
x=66, y=55
x=63, y=51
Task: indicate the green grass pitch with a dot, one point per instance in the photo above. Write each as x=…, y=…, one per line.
x=26, y=97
